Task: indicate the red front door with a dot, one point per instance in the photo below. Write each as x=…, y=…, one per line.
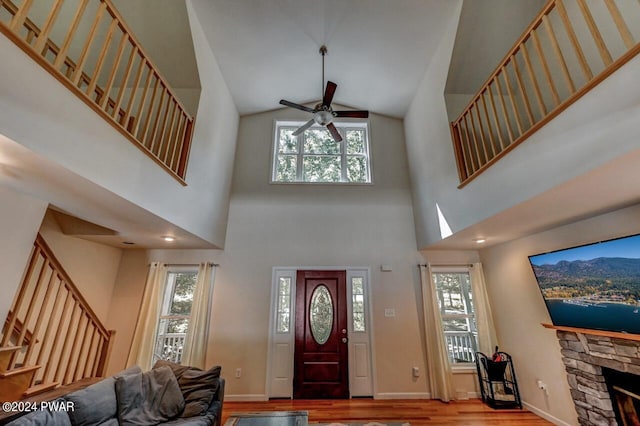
x=321, y=351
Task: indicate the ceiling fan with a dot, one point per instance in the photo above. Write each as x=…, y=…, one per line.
x=323, y=114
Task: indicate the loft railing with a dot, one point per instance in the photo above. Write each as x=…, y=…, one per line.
x=570, y=47
x=99, y=59
x=461, y=345
x=65, y=336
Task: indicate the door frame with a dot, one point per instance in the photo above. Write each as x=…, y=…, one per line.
x=281, y=346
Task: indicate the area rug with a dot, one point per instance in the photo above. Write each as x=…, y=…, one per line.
x=362, y=424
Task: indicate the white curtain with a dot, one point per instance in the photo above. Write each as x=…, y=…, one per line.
x=195, y=346
x=487, y=339
x=440, y=375
x=143, y=344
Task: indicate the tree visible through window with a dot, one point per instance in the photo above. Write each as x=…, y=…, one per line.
x=314, y=156
x=174, y=317
x=458, y=316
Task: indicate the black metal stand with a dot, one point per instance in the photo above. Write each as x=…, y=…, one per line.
x=498, y=384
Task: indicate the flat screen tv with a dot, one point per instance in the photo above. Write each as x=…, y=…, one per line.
x=595, y=286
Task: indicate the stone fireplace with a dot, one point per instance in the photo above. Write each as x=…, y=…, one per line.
x=604, y=376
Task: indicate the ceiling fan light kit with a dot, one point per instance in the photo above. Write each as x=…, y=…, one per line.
x=323, y=114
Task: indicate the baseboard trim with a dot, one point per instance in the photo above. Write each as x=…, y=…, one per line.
x=403, y=395
x=246, y=398
x=544, y=414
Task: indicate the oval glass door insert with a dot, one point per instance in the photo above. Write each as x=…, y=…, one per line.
x=321, y=314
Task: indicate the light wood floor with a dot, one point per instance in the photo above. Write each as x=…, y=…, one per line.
x=416, y=412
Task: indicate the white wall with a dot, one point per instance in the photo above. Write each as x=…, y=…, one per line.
x=93, y=267
x=20, y=218
x=519, y=309
x=79, y=140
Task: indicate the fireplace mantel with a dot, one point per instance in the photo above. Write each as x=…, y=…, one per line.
x=617, y=335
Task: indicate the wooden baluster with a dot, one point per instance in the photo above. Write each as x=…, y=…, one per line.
x=488, y=155
x=492, y=141
x=50, y=321
x=463, y=171
x=494, y=111
x=43, y=37
x=545, y=67
x=125, y=78
x=473, y=147
x=101, y=58
x=505, y=114
x=105, y=353
x=512, y=100
x=534, y=80
x=30, y=309
x=464, y=144
x=177, y=138
x=17, y=305
x=184, y=152
x=523, y=92
x=620, y=24
x=156, y=120
x=167, y=141
x=87, y=45
x=43, y=310
x=88, y=365
x=586, y=69
x=134, y=91
x=96, y=359
x=143, y=99
x=479, y=139
x=67, y=337
x=18, y=19
x=104, y=100
x=58, y=337
x=595, y=33
x=72, y=357
x=162, y=145
x=558, y=52
x=79, y=364
x=61, y=57
x=147, y=120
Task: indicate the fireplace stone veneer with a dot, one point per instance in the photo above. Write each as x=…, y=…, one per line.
x=584, y=356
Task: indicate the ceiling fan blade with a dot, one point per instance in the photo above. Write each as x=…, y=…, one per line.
x=352, y=114
x=296, y=106
x=328, y=93
x=334, y=132
x=304, y=127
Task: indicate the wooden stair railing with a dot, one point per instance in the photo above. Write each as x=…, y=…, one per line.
x=68, y=340
x=569, y=48
x=111, y=73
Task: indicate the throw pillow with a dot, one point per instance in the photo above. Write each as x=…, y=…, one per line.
x=198, y=386
x=148, y=398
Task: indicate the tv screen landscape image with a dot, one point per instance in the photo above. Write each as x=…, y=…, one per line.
x=595, y=286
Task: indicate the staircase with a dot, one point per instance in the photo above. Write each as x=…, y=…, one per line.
x=51, y=337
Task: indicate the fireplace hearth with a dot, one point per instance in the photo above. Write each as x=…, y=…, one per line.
x=604, y=378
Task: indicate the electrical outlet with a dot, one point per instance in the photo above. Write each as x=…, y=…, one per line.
x=542, y=386
x=238, y=373
x=415, y=371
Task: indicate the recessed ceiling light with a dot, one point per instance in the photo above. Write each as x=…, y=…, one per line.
x=479, y=240
x=168, y=238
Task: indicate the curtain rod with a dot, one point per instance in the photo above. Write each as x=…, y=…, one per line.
x=187, y=264
x=438, y=265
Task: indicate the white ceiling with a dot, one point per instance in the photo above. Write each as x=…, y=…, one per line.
x=267, y=50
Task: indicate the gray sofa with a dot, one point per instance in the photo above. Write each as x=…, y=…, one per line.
x=132, y=397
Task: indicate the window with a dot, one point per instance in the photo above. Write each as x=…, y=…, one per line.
x=357, y=294
x=284, y=302
x=315, y=157
x=458, y=318
x=174, y=316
